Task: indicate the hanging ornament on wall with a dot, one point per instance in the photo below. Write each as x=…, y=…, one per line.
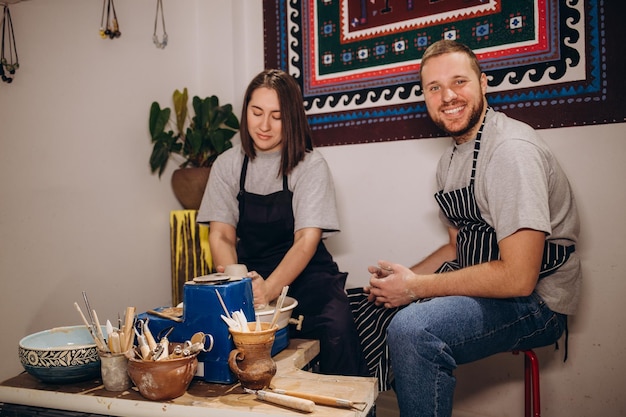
x=109, y=25
x=8, y=63
x=155, y=39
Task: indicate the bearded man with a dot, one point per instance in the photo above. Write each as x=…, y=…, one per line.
x=509, y=275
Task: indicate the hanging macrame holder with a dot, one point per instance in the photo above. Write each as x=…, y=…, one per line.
x=155, y=39
x=109, y=25
x=9, y=66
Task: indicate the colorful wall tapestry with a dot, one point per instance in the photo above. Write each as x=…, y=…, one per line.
x=549, y=63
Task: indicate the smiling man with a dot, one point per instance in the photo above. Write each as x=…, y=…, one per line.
x=455, y=94
x=509, y=275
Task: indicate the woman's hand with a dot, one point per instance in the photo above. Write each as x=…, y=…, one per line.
x=259, y=290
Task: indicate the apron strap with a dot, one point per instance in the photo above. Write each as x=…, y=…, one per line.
x=244, y=170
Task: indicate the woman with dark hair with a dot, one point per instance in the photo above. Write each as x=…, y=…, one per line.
x=269, y=204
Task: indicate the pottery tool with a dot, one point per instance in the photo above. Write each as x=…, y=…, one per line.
x=192, y=347
x=109, y=328
x=99, y=331
x=129, y=334
x=240, y=318
x=142, y=340
x=149, y=337
x=284, y=400
x=114, y=343
x=219, y=297
x=161, y=351
x=93, y=323
x=231, y=323
x=323, y=399
x=279, y=305
x=165, y=316
x=90, y=328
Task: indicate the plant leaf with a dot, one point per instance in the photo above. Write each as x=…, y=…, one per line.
x=180, y=108
x=158, y=119
x=208, y=133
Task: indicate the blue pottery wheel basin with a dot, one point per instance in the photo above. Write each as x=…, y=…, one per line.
x=60, y=355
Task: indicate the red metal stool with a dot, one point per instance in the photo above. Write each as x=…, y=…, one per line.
x=532, y=406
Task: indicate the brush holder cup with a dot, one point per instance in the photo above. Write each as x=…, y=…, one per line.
x=114, y=367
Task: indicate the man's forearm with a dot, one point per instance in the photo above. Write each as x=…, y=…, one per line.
x=433, y=261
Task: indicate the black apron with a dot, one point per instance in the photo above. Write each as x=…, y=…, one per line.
x=265, y=232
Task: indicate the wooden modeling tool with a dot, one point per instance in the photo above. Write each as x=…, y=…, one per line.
x=284, y=400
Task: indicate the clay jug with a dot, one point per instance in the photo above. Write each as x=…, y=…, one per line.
x=251, y=360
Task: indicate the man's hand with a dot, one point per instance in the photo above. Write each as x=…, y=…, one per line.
x=390, y=285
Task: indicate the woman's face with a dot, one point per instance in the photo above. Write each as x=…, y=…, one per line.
x=264, y=124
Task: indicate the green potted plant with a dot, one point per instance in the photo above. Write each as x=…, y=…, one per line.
x=196, y=142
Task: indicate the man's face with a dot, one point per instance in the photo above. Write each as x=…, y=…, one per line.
x=454, y=94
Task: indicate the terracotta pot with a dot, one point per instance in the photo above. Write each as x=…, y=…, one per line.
x=163, y=380
x=188, y=185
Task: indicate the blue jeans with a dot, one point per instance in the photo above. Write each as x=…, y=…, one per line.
x=428, y=340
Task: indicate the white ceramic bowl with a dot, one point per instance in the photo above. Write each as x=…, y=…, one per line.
x=266, y=314
x=60, y=355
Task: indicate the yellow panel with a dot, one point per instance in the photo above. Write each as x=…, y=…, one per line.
x=191, y=256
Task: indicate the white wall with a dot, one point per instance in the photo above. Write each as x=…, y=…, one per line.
x=80, y=211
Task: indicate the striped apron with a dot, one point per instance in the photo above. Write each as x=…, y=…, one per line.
x=476, y=240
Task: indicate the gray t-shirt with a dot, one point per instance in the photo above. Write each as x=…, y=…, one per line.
x=311, y=182
x=520, y=184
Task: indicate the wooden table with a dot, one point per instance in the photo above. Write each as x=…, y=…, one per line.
x=202, y=399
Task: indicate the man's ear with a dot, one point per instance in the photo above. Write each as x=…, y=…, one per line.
x=483, y=82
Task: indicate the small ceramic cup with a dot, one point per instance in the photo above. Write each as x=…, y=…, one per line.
x=114, y=371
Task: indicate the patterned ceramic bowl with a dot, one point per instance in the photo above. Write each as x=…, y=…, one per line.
x=60, y=355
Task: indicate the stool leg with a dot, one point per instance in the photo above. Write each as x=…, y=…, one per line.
x=527, y=387
x=531, y=382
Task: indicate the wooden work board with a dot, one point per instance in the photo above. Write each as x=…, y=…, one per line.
x=202, y=398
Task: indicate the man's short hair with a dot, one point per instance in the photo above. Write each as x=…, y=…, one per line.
x=445, y=46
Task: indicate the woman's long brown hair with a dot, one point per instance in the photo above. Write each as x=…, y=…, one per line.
x=296, y=132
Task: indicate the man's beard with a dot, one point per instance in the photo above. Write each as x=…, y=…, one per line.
x=471, y=123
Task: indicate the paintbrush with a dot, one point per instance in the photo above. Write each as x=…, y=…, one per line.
x=91, y=331
x=279, y=305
